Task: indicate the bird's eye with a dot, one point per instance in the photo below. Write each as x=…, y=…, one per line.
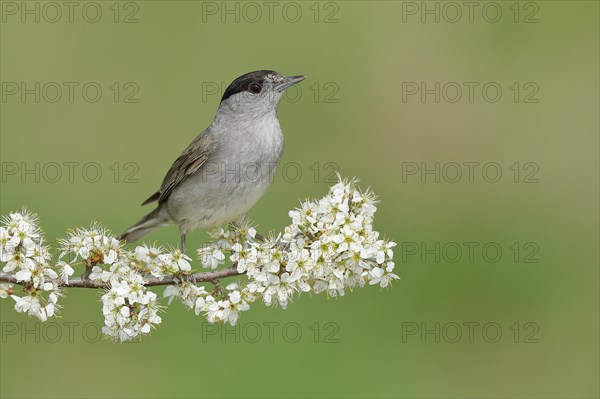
x=255, y=88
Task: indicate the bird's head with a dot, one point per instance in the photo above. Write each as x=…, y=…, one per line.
x=256, y=93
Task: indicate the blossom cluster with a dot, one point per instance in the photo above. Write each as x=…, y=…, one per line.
x=330, y=246
x=27, y=259
x=129, y=308
x=220, y=305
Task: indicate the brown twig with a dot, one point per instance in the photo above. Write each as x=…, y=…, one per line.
x=85, y=283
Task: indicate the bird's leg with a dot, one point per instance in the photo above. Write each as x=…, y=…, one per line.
x=183, y=232
x=185, y=277
x=235, y=224
x=239, y=222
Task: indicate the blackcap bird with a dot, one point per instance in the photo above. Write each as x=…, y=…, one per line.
x=227, y=167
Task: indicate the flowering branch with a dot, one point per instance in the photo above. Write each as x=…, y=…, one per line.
x=330, y=246
x=150, y=282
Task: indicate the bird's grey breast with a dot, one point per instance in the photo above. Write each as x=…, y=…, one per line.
x=253, y=147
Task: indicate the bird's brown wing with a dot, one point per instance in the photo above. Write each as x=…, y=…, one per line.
x=192, y=158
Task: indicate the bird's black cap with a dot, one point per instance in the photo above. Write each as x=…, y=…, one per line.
x=241, y=84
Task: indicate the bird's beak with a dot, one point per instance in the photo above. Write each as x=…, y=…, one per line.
x=289, y=81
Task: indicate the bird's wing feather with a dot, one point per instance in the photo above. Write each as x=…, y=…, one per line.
x=192, y=159
x=152, y=198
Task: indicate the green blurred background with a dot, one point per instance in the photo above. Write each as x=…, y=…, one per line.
x=360, y=58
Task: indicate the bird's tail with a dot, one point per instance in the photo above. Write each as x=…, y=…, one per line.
x=148, y=223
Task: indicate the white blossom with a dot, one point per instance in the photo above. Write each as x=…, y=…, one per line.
x=129, y=309
x=5, y=290
x=27, y=259
x=94, y=245
x=211, y=256
x=66, y=271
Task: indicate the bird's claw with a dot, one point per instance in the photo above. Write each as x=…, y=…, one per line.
x=188, y=278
